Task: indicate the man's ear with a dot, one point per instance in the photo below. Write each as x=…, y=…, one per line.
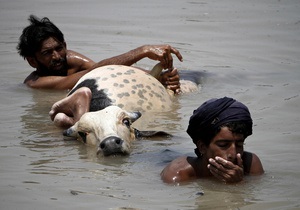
x=32, y=62
x=201, y=147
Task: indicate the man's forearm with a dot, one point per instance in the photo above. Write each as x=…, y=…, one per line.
x=54, y=82
x=127, y=59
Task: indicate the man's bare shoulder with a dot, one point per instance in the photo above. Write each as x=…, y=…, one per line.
x=256, y=166
x=252, y=164
x=180, y=162
x=77, y=56
x=78, y=62
x=178, y=170
x=33, y=76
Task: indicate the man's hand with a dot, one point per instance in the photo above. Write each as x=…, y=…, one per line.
x=225, y=170
x=170, y=79
x=162, y=53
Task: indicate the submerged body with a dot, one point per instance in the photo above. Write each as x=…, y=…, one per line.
x=218, y=128
x=105, y=101
x=224, y=158
x=123, y=86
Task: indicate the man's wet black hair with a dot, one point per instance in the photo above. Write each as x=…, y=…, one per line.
x=33, y=35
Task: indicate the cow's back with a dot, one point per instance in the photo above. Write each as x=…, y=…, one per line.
x=125, y=86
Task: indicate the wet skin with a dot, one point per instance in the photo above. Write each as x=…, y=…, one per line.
x=221, y=159
x=51, y=58
x=59, y=68
x=224, y=156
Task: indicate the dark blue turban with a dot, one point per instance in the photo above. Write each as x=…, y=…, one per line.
x=214, y=113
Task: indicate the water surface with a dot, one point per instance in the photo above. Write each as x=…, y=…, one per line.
x=248, y=50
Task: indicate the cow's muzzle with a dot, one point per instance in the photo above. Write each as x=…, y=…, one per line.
x=111, y=146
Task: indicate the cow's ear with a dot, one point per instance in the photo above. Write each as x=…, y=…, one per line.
x=133, y=116
x=150, y=134
x=70, y=133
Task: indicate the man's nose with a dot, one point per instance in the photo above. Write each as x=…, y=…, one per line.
x=231, y=152
x=55, y=55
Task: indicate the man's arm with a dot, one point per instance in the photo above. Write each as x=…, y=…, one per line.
x=78, y=65
x=160, y=53
x=53, y=82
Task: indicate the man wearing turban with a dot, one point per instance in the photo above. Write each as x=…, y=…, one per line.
x=218, y=128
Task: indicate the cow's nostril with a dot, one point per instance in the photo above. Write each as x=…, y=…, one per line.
x=111, y=145
x=110, y=142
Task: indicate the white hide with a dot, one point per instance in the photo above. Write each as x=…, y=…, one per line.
x=130, y=88
x=99, y=125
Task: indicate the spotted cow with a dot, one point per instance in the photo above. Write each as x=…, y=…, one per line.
x=117, y=93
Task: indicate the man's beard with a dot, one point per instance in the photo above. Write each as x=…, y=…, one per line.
x=51, y=71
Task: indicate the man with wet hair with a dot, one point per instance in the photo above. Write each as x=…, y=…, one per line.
x=43, y=45
x=219, y=128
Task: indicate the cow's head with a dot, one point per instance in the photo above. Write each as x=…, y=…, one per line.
x=110, y=129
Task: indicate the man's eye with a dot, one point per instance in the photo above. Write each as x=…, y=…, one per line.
x=126, y=122
x=60, y=48
x=223, y=144
x=45, y=53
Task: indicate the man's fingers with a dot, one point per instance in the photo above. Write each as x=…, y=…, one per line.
x=172, y=83
x=225, y=170
x=173, y=80
x=216, y=172
x=173, y=72
x=171, y=77
x=239, y=160
x=223, y=162
x=177, y=53
x=165, y=56
x=216, y=165
x=163, y=53
x=168, y=60
x=163, y=63
x=175, y=88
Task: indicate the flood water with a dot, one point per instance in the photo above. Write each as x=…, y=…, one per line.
x=248, y=50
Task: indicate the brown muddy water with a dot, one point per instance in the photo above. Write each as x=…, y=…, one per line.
x=249, y=50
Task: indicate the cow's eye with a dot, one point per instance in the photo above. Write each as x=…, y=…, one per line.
x=82, y=135
x=126, y=122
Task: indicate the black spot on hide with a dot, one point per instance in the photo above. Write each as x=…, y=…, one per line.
x=99, y=100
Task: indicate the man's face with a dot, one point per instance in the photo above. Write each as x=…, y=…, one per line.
x=51, y=58
x=226, y=145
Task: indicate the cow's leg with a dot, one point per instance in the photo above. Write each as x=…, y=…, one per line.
x=68, y=111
